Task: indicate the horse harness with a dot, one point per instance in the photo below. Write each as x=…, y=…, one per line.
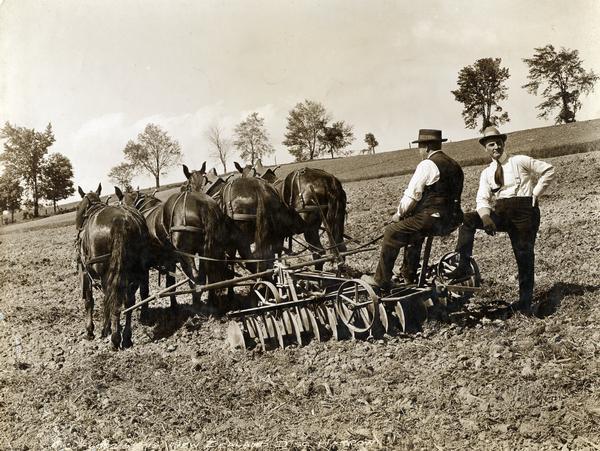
x=227, y=205
x=180, y=228
x=306, y=207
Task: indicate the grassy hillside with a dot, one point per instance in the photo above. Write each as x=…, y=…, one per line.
x=537, y=142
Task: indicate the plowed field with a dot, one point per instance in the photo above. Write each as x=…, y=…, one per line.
x=497, y=382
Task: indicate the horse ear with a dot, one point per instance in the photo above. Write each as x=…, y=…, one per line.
x=275, y=168
x=238, y=167
x=99, y=189
x=186, y=172
x=203, y=168
x=81, y=193
x=119, y=193
x=214, y=171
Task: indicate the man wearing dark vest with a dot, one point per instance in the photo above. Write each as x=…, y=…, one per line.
x=507, y=201
x=430, y=206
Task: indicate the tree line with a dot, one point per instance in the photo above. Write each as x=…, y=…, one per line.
x=311, y=132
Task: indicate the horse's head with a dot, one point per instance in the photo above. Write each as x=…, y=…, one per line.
x=87, y=200
x=246, y=171
x=196, y=180
x=128, y=197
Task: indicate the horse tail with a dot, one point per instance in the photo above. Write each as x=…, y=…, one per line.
x=336, y=212
x=214, y=237
x=264, y=227
x=117, y=275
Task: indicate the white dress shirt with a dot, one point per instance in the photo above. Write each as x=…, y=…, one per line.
x=523, y=176
x=426, y=174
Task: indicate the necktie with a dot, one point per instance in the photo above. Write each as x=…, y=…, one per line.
x=499, y=175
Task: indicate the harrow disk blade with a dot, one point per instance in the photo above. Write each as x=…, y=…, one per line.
x=278, y=328
x=288, y=325
x=250, y=327
x=269, y=327
x=235, y=335
x=260, y=329
x=383, y=318
x=296, y=323
x=314, y=324
x=304, y=318
x=400, y=314
x=333, y=323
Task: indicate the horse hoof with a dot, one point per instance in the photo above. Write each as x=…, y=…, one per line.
x=126, y=343
x=89, y=336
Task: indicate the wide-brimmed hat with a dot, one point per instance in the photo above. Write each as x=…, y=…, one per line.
x=489, y=133
x=428, y=135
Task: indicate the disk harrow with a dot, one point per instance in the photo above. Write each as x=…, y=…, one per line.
x=297, y=305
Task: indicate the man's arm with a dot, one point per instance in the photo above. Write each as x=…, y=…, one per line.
x=484, y=196
x=544, y=172
x=425, y=174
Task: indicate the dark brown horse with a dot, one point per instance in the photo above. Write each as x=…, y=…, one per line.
x=161, y=255
x=112, y=246
x=190, y=223
x=256, y=208
x=314, y=194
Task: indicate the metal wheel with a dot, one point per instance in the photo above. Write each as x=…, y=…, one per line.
x=447, y=264
x=356, y=304
x=266, y=292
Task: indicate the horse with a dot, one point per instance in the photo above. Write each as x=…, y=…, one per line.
x=161, y=256
x=256, y=208
x=190, y=223
x=112, y=248
x=314, y=194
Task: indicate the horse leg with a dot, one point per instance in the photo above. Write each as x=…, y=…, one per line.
x=129, y=301
x=88, y=298
x=144, y=293
x=115, y=337
x=312, y=237
x=106, y=327
x=170, y=280
x=189, y=268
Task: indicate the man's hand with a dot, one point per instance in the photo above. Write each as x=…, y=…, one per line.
x=534, y=201
x=488, y=225
x=396, y=217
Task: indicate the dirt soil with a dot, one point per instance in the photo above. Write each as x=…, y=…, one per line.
x=497, y=382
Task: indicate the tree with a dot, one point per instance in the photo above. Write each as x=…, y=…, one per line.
x=57, y=179
x=23, y=157
x=221, y=146
x=305, y=130
x=154, y=152
x=252, y=139
x=336, y=137
x=565, y=80
x=480, y=89
x=122, y=175
x=371, y=142
x=11, y=193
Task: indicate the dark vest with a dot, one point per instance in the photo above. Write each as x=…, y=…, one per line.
x=444, y=195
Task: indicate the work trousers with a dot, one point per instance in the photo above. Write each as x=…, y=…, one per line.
x=408, y=231
x=521, y=221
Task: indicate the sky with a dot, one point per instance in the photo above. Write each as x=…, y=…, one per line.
x=99, y=71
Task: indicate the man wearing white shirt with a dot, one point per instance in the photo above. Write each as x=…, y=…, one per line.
x=430, y=206
x=507, y=201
